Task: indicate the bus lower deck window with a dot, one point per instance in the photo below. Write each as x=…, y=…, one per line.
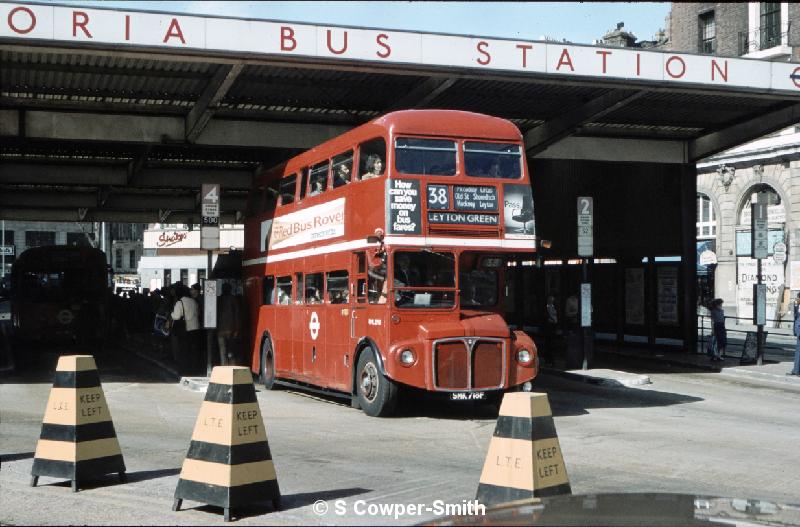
x=284, y=286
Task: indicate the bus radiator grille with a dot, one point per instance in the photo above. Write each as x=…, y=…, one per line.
x=487, y=364
x=452, y=365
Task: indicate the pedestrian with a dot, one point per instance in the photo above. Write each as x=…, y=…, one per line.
x=186, y=329
x=228, y=324
x=550, y=328
x=571, y=310
x=796, y=369
x=719, y=333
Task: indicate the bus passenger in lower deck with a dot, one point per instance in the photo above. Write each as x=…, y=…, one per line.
x=374, y=167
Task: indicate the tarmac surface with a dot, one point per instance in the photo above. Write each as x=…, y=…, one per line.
x=696, y=428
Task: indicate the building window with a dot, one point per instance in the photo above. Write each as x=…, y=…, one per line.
x=706, y=219
x=118, y=259
x=78, y=239
x=132, y=259
x=770, y=24
x=708, y=33
x=39, y=238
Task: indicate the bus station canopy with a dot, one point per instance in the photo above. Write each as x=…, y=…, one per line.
x=116, y=115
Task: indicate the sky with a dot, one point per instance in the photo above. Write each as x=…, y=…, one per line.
x=577, y=22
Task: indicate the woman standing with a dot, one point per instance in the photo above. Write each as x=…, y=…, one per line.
x=720, y=334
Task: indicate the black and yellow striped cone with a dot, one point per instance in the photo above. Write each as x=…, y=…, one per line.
x=78, y=440
x=524, y=458
x=229, y=463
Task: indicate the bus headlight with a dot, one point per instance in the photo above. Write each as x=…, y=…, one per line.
x=407, y=357
x=524, y=357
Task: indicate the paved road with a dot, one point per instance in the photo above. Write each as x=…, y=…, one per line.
x=687, y=432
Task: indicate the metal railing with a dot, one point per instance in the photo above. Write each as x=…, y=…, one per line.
x=704, y=327
x=765, y=37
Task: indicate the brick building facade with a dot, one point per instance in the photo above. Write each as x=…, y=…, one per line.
x=727, y=181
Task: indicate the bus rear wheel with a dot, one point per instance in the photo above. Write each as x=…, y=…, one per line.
x=377, y=395
x=267, y=365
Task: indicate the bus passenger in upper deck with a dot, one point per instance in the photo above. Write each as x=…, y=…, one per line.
x=374, y=167
x=316, y=188
x=342, y=176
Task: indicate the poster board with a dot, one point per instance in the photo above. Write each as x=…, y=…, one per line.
x=750, y=347
x=634, y=296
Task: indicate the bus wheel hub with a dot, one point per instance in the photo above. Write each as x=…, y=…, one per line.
x=369, y=381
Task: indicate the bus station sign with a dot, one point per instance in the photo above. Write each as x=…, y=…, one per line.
x=210, y=205
x=125, y=28
x=7, y=250
x=585, y=226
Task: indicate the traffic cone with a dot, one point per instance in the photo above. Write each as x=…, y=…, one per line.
x=78, y=440
x=228, y=463
x=524, y=459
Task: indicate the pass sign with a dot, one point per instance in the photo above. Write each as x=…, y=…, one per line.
x=585, y=226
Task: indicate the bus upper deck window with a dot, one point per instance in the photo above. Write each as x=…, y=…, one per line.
x=342, y=169
x=492, y=160
x=372, y=158
x=434, y=157
x=287, y=189
x=318, y=179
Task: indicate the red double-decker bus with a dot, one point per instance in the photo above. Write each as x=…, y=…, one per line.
x=376, y=261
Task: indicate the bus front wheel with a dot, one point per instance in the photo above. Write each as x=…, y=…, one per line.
x=267, y=365
x=377, y=395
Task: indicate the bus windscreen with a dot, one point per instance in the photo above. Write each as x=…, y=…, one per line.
x=424, y=279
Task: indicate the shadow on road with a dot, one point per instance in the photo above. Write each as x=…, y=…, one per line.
x=288, y=502
x=144, y=475
x=6, y=458
x=568, y=397
x=36, y=363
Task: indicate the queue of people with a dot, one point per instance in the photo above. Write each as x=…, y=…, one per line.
x=173, y=319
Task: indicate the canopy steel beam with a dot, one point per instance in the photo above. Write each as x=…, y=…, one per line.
x=20, y=173
x=109, y=200
x=75, y=126
x=759, y=125
x=423, y=93
x=61, y=214
x=553, y=130
x=207, y=103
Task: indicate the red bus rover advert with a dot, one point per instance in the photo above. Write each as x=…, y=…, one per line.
x=377, y=261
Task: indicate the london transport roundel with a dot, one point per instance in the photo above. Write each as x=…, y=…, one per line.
x=314, y=325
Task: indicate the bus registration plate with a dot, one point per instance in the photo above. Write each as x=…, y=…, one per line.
x=467, y=396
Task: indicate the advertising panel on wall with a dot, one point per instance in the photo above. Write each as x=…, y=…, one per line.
x=772, y=275
x=634, y=296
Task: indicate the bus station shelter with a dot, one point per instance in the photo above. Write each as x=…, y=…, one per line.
x=116, y=115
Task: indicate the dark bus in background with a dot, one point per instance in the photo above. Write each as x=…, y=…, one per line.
x=60, y=294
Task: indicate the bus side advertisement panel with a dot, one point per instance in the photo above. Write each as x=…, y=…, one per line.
x=320, y=222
